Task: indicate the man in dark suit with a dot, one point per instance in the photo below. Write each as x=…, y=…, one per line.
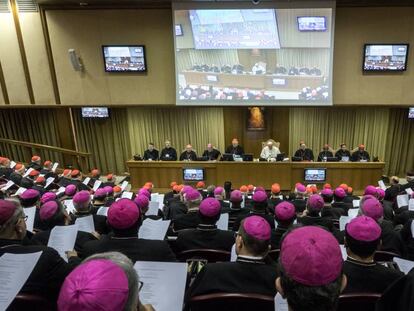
x=236, y=210
x=304, y=153
x=339, y=196
x=168, y=153
x=188, y=154
x=5, y=169
x=285, y=215
x=360, y=155
x=343, y=153
x=362, y=239
x=328, y=210
x=124, y=217
x=206, y=235
x=151, y=153
x=234, y=148
x=325, y=154
x=35, y=164
x=211, y=153
x=192, y=199
x=249, y=274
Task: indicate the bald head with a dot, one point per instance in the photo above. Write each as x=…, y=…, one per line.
x=188, y=148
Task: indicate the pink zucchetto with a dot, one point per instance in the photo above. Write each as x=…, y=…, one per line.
x=192, y=195
x=285, y=211
x=259, y=196
x=81, y=197
x=210, y=207
x=48, y=196
x=123, y=214
x=371, y=207
x=236, y=196
x=218, y=191
x=7, y=209
x=48, y=210
x=327, y=192
x=257, y=227
x=315, y=202
x=30, y=194
x=371, y=190
x=300, y=188
x=141, y=201
x=70, y=190
x=363, y=228
x=340, y=192
x=98, y=284
x=311, y=256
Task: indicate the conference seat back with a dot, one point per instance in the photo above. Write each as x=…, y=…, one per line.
x=358, y=302
x=231, y=302
x=31, y=302
x=211, y=255
x=384, y=256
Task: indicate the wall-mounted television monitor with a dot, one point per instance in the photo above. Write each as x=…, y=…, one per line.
x=315, y=174
x=95, y=112
x=179, y=30
x=193, y=174
x=411, y=113
x=385, y=57
x=311, y=23
x=124, y=58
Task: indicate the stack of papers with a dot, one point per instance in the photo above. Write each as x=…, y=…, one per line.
x=154, y=229
x=62, y=239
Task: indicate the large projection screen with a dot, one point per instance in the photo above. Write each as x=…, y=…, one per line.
x=238, y=53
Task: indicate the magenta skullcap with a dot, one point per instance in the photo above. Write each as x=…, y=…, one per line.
x=186, y=188
x=48, y=196
x=7, y=209
x=371, y=190
x=192, y=195
x=327, y=192
x=48, y=210
x=100, y=193
x=30, y=194
x=311, y=256
x=285, y=211
x=380, y=194
x=260, y=189
x=340, y=192
x=145, y=192
x=81, y=197
x=236, y=196
x=363, y=228
x=257, y=227
x=210, y=207
x=372, y=208
x=316, y=202
x=218, y=191
x=70, y=190
x=123, y=214
x=259, y=196
x=141, y=201
x=300, y=188
x=108, y=190
x=98, y=284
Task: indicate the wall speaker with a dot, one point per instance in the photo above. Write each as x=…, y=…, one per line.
x=75, y=60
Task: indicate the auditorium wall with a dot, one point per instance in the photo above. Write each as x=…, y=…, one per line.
x=86, y=30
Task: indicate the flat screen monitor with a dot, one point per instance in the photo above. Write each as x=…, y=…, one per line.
x=193, y=174
x=312, y=23
x=385, y=57
x=124, y=58
x=411, y=113
x=178, y=30
x=315, y=174
x=95, y=112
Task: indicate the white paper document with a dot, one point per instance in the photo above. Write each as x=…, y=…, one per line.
x=20, y=191
x=8, y=185
x=382, y=185
x=96, y=185
x=164, y=284
x=223, y=222
x=353, y=212
x=152, y=209
x=124, y=185
x=343, y=220
x=12, y=164
x=233, y=255
x=404, y=264
x=15, y=269
x=28, y=172
x=411, y=205
x=60, y=190
x=355, y=203
x=85, y=224
x=280, y=303
x=49, y=181
x=402, y=200
x=70, y=208
x=343, y=252
x=412, y=229
x=409, y=191
x=103, y=210
x=86, y=181
x=54, y=167
x=153, y=229
x=30, y=212
x=127, y=195
x=62, y=239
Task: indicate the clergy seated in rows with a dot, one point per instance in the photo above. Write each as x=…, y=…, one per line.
x=191, y=218
x=50, y=271
x=328, y=210
x=259, y=208
x=30, y=198
x=274, y=199
x=35, y=163
x=285, y=216
x=125, y=219
x=236, y=210
x=220, y=194
x=83, y=207
x=362, y=239
x=249, y=274
x=299, y=198
x=106, y=281
x=53, y=214
x=311, y=276
x=206, y=235
x=391, y=241
x=339, y=200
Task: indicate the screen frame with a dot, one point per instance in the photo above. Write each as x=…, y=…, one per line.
x=315, y=168
x=384, y=70
x=324, y=18
x=177, y=6
x=194, y=168
x=126, y=45
x=97, y=118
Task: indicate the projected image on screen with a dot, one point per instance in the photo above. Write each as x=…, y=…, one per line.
x=265, y=56
x=385, y=57
x=124, y=58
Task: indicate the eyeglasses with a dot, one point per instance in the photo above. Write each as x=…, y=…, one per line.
x=140, y=285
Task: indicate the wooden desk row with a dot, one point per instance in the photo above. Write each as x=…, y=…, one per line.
x=287, y=174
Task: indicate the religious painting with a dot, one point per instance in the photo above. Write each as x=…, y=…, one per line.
x=256, y=120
